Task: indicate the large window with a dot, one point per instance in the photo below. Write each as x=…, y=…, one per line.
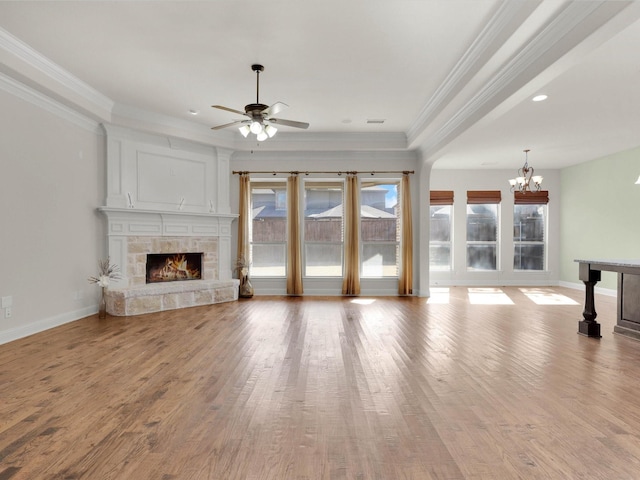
x=323, y=229
x=379, y=229
x=268, y=229
x=440, y=230
x=529, y=232
x=482, y=229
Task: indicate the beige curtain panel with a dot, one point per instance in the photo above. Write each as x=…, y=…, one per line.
x=405, y=282
x=294, y=255
x=244, y=218
x=351, y=282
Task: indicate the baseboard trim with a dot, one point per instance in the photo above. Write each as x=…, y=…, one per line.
x=580, y=286
x=45, y=324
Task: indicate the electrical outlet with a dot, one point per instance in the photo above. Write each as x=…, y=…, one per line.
x=7, y=312
x=6, y=301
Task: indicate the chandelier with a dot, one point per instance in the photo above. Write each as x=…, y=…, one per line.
x=526, y=181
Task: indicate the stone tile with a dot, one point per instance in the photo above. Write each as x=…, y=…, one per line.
x=140, y=305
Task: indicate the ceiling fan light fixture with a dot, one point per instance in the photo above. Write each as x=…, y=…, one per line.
x=244, y=130
x=256, y=127
x=270, y=130
x=259, y=116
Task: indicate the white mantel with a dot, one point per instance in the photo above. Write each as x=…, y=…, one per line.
x=127, y=227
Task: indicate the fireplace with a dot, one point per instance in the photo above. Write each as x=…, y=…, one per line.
x=171, y=267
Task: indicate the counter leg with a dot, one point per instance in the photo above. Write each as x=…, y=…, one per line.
x=589, y=326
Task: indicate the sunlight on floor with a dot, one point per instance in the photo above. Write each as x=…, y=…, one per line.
x=438, y=295
x=488, y=296
x=363, y=301
x=546, y=296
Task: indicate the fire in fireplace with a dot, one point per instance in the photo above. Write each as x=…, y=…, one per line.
x=170, y=267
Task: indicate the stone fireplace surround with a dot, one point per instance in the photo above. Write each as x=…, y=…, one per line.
x=132, y=234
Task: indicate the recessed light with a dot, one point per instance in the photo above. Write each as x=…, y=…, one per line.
x=346, y=120
x=539, y=98
x=376, y=120
x=194, y=112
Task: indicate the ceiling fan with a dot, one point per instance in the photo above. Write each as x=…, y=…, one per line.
x=260, y=121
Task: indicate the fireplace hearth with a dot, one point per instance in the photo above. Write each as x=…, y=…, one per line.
x=171, y=267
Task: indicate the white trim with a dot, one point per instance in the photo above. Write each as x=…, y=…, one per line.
x=554, y=36
x=507, y=14
x=40, y=100
x=46, y=324
x=580, y=286
x=58, y=74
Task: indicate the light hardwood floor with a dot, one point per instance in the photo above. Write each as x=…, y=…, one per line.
x=328, y=388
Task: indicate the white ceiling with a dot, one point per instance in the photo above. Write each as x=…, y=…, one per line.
x=452, y=78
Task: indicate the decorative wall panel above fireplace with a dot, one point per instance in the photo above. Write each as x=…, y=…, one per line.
x=151, y=172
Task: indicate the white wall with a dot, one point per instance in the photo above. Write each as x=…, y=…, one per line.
x=52, y=179
x=462, y=180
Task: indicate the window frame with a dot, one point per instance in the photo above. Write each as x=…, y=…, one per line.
x=398, y=219
x=484, y=197
x=439, y=199
x=276, y=185
x=541, y=199
x=328, y=184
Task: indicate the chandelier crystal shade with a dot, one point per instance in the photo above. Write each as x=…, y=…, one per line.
x=526, y=181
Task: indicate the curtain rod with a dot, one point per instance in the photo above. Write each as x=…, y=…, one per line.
x=307, y=172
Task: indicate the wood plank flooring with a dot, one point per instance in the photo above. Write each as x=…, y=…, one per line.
x=466, y=387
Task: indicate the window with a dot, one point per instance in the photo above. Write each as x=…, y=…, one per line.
x=482, y=229
x=268, y=229
x=529, y=232
x=379, y=229
x=440, y=230
x=323, y=229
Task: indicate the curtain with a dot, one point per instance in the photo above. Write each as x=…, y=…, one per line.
x=243, y=221
x=294, y=256
x=351, y=282
x=405, y=282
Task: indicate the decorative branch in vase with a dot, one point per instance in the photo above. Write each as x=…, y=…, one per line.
x=106, y=272
x=246, y=289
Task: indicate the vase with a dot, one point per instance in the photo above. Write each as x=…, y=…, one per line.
x=102, y=308
x=246, y=289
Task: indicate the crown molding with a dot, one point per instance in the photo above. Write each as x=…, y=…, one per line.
x=503, y=23
x=383, y=157
x=556, y=38
x=40, y=100
x=155, y=123
x=327, y=141
x=23, y=52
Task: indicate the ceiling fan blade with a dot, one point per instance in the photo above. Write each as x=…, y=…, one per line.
x=220, y=127
x=228, y=109
x=275, y=108
x=289, y=123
